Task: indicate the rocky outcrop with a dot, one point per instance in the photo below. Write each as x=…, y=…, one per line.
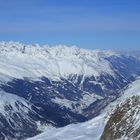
x=124, y=123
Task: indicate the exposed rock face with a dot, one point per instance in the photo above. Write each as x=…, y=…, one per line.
x=124, y=123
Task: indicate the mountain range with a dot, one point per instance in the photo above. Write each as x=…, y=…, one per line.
x=43, y=87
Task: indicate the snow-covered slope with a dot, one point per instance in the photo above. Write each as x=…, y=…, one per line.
x=127, y=103
x=64, y=84
x=90, y=130
x=93, y=129
x=19, y=60
x=132, y=89
x=18, y=118
x=124, y=123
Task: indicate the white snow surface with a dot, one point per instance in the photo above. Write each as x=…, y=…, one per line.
x=90, y=130
x=23, y=108
x=132, y=90
x=18, y=60
x=10, y=99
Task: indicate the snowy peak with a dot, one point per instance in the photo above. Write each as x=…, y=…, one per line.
x=58, y=50
x=19, y=60
x=60, y=85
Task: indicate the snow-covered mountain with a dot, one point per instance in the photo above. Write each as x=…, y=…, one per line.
x=124, y=123
x=19, y=118
x=63, y=84
x=57, y=62
x=129, y=103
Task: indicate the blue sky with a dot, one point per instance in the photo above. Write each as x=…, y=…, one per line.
x=93, y=24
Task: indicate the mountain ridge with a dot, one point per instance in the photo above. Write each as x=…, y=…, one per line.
x=93, y=129
x=64, y=85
